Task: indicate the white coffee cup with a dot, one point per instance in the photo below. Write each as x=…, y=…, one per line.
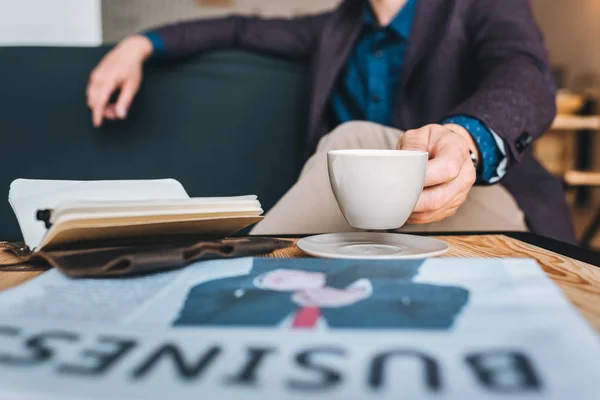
x=377, y=189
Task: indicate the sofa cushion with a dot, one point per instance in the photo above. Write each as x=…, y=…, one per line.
x=227, y=123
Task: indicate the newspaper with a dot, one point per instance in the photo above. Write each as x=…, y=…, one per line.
x=279, y=329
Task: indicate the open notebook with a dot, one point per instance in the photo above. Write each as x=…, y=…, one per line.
x=87, y=211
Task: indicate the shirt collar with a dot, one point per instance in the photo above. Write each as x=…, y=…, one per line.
x=402, y=22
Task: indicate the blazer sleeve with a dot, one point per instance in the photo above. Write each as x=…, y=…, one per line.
x=294, y=38
x=516, y=95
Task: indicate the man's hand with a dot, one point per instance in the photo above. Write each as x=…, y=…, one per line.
x=121, y=69
x=450, y=170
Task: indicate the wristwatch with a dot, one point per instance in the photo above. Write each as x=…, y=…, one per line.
x=473, y=158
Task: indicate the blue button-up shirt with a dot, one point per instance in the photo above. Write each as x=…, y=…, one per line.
x=369, y=83
x=372, y=76
x=371, y=79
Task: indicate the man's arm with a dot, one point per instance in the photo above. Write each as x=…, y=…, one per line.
x=515, y=96
x=121, y=69
x=514, y=101
x=291, y=38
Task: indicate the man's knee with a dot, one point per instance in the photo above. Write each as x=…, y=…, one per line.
x=359, y=135
x=344, y=136
x=495, y=203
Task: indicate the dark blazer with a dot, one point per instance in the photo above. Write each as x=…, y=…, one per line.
x=481, y=58
x=395, y=303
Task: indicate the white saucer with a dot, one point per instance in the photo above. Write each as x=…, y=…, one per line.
x=372, y=246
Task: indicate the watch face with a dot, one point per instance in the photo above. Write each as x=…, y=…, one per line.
x=473, y=158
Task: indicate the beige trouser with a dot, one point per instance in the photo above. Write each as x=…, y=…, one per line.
x=310, y=207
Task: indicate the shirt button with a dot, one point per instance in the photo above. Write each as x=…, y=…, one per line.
x=376, y=98
x=378, y=53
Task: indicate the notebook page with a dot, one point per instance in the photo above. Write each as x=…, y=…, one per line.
x=154, y=207
x=158, y=208
x=27, y=196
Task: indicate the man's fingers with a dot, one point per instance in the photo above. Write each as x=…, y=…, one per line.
x=93, y=86
x=428, y=217
x=128, y=91
x=415, y=139
x=425, y=218
x=436, y=197
x=440, y=196
x=110, y=112
x=449, y=176
x=448, y=155
x=99, y=103
x=445, y=166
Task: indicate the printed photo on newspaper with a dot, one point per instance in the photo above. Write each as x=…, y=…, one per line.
x=293, y=328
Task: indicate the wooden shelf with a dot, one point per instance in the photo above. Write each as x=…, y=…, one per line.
x=576, y=122
x=582, y=178
x=556, y=151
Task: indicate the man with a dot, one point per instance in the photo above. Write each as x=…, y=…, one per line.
x=310, y=295
x=466, y=80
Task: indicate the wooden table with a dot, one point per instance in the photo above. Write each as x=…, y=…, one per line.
x=579, y=280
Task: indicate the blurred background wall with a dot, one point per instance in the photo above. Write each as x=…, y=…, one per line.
x=572, y=31
x=124, y=17
x=571, y=27
x=50, y=22
x=564, y=22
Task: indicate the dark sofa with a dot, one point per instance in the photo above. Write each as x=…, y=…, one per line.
x=223, y=124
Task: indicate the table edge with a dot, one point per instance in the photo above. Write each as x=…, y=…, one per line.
x=562, y=248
